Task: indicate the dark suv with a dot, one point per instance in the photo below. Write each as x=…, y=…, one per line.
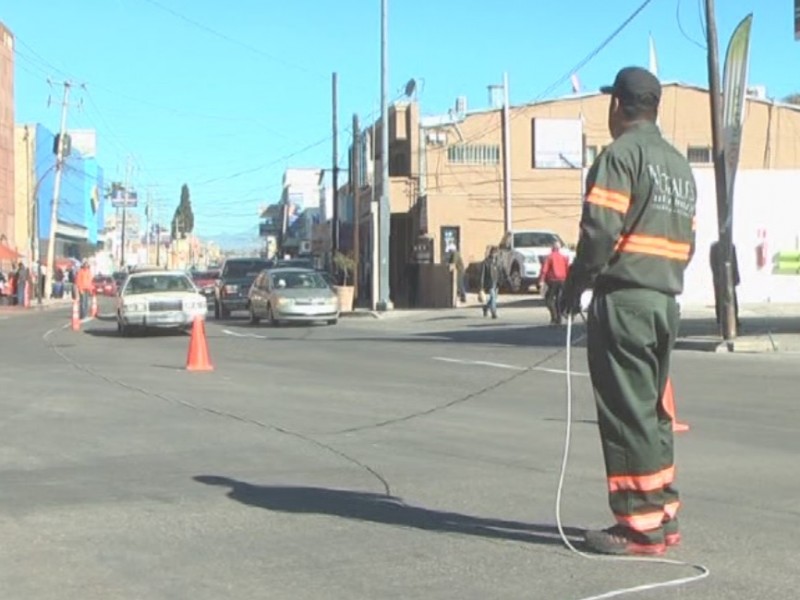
x=234, y=284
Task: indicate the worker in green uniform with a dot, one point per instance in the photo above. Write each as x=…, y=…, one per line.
x=636, y=239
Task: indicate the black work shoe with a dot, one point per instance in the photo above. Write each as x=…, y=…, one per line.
x=620, y=540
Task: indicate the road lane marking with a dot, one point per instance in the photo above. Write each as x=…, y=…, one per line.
x=244, y=335
x=496, y=365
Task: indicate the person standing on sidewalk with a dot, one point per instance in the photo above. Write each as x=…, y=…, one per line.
x=553, y=275
x=83, y=283
x=637, y=235
x=23, y=283
x=490, y=281
x=457, y=263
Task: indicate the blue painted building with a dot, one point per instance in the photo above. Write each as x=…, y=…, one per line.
x=81, y=204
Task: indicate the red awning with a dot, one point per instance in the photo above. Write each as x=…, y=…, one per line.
x=8, y=253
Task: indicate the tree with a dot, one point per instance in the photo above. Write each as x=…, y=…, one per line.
x=183, y=221
x=792, y=99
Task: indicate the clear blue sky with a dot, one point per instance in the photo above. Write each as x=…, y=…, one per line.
x=221, y=110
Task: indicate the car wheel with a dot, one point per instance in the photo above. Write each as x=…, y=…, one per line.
x=271, y=316
x=515, y=280
x=254, y=320
x=333, y=321
x=224, y=312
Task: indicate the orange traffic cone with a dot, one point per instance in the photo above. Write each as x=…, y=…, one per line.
x=198, y=359
x=94, y=306
x=76, y=317
x=669, y=406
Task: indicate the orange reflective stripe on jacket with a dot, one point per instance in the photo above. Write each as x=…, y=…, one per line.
x=641, y=483
x=642, y=521
x=654, y=246
x=615, y=201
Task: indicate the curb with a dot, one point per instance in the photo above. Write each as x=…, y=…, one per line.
x=360, y=314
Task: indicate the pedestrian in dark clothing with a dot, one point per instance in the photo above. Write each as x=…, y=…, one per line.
x=554, y=274
x=23, y=283
x=717, y=269
x=636, y=239
x=490, y=282
x=458, y=263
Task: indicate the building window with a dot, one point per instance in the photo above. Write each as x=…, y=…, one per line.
x=589, y=155
x=477, y=154
x=699, y=154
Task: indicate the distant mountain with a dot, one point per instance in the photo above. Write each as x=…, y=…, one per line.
x=241, y=240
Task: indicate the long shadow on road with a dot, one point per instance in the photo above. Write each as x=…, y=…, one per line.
x=383, y=509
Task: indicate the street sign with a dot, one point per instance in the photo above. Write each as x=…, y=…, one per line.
x=121, y=198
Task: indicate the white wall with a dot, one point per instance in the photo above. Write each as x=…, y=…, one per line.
x=764, y=199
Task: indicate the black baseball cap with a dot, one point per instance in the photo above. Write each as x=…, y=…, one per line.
x=635, y=86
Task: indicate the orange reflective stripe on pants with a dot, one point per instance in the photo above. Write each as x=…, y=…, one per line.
x=642, y=483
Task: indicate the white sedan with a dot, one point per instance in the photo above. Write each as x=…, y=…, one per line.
x=159, y=299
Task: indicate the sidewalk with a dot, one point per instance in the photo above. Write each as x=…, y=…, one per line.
x=504, y=302
x=764, y=328
x=47, y=304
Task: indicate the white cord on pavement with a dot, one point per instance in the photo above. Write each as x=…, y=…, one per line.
x=703, y=570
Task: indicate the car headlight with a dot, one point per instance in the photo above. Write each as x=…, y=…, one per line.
x=285, y=301
x=134, y=307
x=330, y=301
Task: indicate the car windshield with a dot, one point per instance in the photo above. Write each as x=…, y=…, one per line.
x=150, y=284
x=534, y=239
x=242, y=269
x=298, y=280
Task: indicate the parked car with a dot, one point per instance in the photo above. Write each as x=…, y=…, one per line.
x=292, y=294
x=234, y=284
x=104, y=285
x=206, y=282
x=522, y=254
x=158, y=299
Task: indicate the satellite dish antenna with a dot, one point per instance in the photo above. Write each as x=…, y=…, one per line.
x=411, y=87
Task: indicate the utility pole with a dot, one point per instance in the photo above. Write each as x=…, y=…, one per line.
x=125, y=197
x=384, y=210
x=33, y=215
x=355, y=186
x=507, y=212
x=158, y=237
x=725, y=234
x=51, y=244
x=335, y=171
x=147, y=210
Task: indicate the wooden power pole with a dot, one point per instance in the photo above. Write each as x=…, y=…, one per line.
x=335, y=223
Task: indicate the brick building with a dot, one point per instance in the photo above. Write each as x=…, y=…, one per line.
x=552, y=145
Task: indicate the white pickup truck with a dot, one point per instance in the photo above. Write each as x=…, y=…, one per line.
x=522, y=254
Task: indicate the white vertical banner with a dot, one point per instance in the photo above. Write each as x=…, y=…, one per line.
x=653, y=67
x=734, y=91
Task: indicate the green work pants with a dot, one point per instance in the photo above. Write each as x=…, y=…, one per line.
x=631, y=333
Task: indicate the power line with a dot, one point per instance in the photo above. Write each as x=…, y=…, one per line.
x=683, y=31
x=566, y=77
x=235, y=41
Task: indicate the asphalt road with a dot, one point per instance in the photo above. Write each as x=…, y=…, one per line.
x=396, y=458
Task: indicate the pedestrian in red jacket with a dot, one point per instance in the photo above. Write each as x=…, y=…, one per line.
x=554, y=274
